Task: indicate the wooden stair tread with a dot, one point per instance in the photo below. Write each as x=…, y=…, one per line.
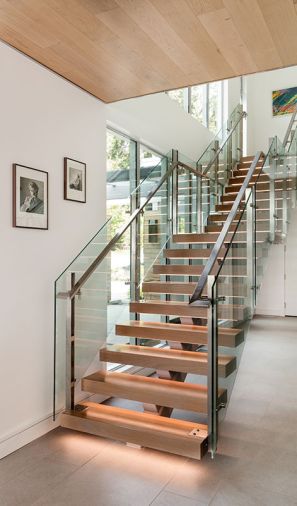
x=160, y=433
x=194, y=253
x=178, y=269
x=162, y=392
x=181, y=333
x=175, y=308
x=168, y=359
x=178, y=327
x=187, y=288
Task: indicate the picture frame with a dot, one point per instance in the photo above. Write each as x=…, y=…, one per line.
x=75, y=178
x=284, y=101
x=30, y=197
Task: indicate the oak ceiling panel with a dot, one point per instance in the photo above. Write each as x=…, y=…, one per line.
x=156, y=27
x=223, y=31
x=118, y=49
x=281, y=19
x=185, y=23
x=248, y=18
x=137, y=40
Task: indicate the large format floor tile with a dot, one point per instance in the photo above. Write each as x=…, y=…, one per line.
x=256, y=463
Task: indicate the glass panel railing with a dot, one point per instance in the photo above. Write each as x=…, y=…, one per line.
x=233, y=307
x=103, y=300
x=227, y=147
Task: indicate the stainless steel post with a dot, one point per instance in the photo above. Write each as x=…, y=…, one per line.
x=240, y=137
x=70, y=349
x=216, y=168
x=175, y=193
x=285, y=207
x=199, y=202
x=250, y=220
x=272, y=209
x=212, y=376
x=135, y=239
x=229, y=151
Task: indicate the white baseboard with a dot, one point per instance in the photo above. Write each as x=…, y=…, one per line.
x=13, y=442
x=270, y=312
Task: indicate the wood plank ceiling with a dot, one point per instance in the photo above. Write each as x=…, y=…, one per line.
x=117, y=49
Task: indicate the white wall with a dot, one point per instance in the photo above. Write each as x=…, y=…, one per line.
x=271, y=296
x=291, y=267
x=160, y=122
x=43, y=118
x=277, y=296
x=233, y=86
x=261, y=123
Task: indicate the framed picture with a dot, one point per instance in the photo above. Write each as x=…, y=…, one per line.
x=284, y=101
x=30, y=197
x=74, y=180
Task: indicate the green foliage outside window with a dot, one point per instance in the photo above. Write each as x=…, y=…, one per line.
x=118, y=152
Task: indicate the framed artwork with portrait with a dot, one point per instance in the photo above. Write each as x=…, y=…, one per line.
x=30, y=197
x=74, y=180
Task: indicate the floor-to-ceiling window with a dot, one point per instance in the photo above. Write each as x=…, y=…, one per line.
x=204, y=102
x=121, y=166
x=129, y=163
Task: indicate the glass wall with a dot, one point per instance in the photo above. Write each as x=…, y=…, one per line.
x=128, y=163
x=121, y=166
x=203, y=102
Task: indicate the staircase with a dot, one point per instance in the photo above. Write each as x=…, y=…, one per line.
x=198, y=344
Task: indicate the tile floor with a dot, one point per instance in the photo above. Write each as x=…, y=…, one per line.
x=256, y=463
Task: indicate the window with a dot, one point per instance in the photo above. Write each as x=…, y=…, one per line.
x=198, y=103
x=203, y=102
x=180, y=96
x=153, y=229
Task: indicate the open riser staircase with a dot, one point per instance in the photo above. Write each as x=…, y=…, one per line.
x=175, y=336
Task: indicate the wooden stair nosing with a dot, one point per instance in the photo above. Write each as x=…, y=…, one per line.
x=192, y=362
x=191, y=334
x=162, y=392
x=159, y=433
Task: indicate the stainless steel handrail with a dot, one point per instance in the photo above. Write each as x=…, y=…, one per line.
x=196, y=298
x=287, y=135
x=78, y=285
x=210, y=164
x=199, y=173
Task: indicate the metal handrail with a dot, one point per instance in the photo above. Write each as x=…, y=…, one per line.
x=287, y=135
x=199, y=173
x=210, y=164
x=196, y=298
x=78, y=285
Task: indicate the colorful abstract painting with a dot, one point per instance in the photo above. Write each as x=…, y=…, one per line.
x=284, y=101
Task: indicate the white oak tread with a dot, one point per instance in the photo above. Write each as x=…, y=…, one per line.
x=192, y=334
x=201, y=253
x=228, y=289
x=162, y=392
x=167, y=359
x=178, y=269
x=261, y=186
x=239, y=176
x=235, y=312
x=157, y=432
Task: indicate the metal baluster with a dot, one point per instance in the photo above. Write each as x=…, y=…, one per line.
x=250, y=220
x=199, y=201
x=212, y=377
x=70, y=348
x=175, y=193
